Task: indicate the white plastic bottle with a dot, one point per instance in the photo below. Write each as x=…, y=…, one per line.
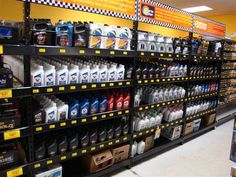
x=51, y=112
x=73, y=72
x=37, y=75
x=49, y=74
x=62, y=111
x=62, y=74
x=120, y=74
x=103, y=73
x=112, y=72
x=94, y=73
x=141, y=147
x=85, y=74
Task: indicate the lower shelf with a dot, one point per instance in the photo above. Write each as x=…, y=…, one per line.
x=198, y=133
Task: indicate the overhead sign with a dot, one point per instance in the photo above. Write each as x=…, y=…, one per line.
x=116, y=8
x=164, y=15
x=209, y=27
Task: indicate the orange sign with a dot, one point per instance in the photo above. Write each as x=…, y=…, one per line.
x=166, y=15
x=119, y=6
x=205, y=26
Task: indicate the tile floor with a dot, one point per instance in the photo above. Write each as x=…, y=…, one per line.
x=205, y=156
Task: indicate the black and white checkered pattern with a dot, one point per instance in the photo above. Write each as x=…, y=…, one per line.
x=206, y=19
x=72, y=6
x=161, y=23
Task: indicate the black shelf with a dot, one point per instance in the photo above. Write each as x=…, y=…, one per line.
x=165, y=145
x=206, y=58
x=163, y=55
x=224, y=78
x=77, y=153
x=42, y=128
x=15, y=92
x=173, y=102
x=17, y=50
x=109, y=170
x=200, y=114
x=161, y=80
x=199, y=133
x=80, y=87
x=226, y=69
x=14, y=134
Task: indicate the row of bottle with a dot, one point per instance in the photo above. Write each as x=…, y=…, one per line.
x=199, y=89
x=77, y=139
x=52, y=109
x=174, y=70
x=203, y=71
x=157, y=43
x=92, y=35
x=151, y=95
x=195, y=107
x=62, y=72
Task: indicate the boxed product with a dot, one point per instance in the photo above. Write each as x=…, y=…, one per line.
x=99, y=161
x=149, y=143
x=172, y=133
x=55, y=171
x=197, y=124
x=208, y=119
x=189, y=128
x=9, y=32
x=120, y=153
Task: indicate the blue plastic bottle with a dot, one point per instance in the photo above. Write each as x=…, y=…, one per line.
x=84, y=108
x=74, y=109
x=64, y=34
x=103, y=104
x=94, y=106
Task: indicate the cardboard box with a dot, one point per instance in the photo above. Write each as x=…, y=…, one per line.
x=120, y=153
x=189, y=128
x=57, y=172
x=99, y=161
x=149, y=143
x=208, y=119
x=197, y=124
x=172, y=133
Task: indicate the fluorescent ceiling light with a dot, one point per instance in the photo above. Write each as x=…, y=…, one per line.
x=197, y=9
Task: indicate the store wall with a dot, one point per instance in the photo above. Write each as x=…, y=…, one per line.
x=229, y=20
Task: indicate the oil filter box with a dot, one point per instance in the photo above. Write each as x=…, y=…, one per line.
x=189, y=128
x=120, y=153
x=208, y=119
x=99, y=161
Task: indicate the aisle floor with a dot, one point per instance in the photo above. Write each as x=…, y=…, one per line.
x=207, y=155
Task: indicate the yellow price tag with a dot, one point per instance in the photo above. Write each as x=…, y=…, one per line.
x=52, y=126
x=84, y=120
x=94, y=86
x=112, y=52
x=111, y=114
x=15, y=172
x=11, y=134
x=49, y=162
x=140, y=134
x=101, y=145
x=72, y=87
x=103, y=85
x=142, y=53
x=110, y=143
x=125, y=138
x=49, y=89
x=63, y=158
x=125, y=53
x=38, y=165
x=61, y=88
x=127, y=83
x=84, y=151
x=120, y=112
x=93, y=148
x=117, y=141
x=63, y=124
x=82, y=52
x=94, y=118
x=62, y=50
x=152, y=54
x=74, y=122
x=35, y=91
x=1, y=49
x=98, y=52
x=104, y=116
x=126, y=111
x=111, y=84
x=74, y=154
x=42, y=50
x=84, y=87
x=38, y=129
x=6, y=93
x=120, y=83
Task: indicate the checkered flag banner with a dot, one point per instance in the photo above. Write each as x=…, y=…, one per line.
x=152, y=21
x=72, y=6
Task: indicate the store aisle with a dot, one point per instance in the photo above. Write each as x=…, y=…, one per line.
x=206, y=156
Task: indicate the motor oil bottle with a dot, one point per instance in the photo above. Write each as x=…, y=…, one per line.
x=126, y=102
x=95, y=37
x=129, y=72
x=37, y=75
x=81, y=33
x=110, y=103
x=120, y=73
x=119, y=102
x=110, y=33
x=73, y=72
x=64, y=34
x=74, y=109
x=51, y=112
x=49, y=74
x=103, y=104
x=103, y=73
x=62, y=74
x=94, y=73
x=94, y=106
x=85, y=74
x=112, y=72
x=84, y=108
